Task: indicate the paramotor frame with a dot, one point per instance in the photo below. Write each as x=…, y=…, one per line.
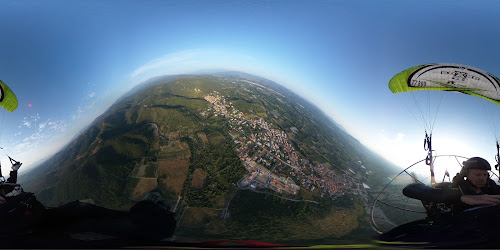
x=403, y=205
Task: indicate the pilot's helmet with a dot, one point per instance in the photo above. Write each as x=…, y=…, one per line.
x=475, y=163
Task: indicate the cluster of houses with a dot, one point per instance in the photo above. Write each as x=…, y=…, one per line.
x=268, y=152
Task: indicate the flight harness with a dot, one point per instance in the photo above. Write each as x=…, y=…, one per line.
x=19, y=204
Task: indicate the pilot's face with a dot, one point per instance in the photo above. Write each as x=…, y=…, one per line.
x=478, y=177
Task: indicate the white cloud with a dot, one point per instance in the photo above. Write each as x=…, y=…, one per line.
x=26, y=123
x=39, y=134
x=399, y=138
x=42, y=139
x=168, y=61
x=193, y=61
x=51, y=126
x=57, y=125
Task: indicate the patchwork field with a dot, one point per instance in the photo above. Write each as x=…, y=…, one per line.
x=173, y=173
x=174, y=149
x=144, y=185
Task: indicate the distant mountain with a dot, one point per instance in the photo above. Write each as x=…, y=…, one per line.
x=237, y=156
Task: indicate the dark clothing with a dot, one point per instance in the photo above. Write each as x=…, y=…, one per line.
x=10, y=185
x=438, y=202
x=12, y=177
x=475, y=228
x=490, y=188
x=146, y=220
x=19, y=214
x=450, y=223
x=447, y=195
x=423, y=192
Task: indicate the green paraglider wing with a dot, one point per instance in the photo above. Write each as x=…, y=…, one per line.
x=8, y=99
x=448, y=77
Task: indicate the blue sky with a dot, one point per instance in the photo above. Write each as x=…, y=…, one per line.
x=72, y=59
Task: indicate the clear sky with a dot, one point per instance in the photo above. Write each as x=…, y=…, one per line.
x=68, y=61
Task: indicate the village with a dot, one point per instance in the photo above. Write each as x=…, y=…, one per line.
x=272, y=161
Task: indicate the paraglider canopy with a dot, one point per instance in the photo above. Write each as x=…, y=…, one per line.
x=8, y=100
x=448, y=77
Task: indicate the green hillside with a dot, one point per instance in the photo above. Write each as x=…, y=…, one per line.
x=237, y=156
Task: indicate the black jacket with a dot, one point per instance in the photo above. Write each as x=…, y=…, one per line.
x=490, y=188
x=423, y=192
x=449, y=195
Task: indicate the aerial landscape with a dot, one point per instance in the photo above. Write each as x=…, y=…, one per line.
x=248, y=122
x=212, y=144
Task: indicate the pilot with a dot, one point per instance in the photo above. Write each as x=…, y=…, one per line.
x=462, y=212
x=471, y=187
x=11, y=181
x=10, y=188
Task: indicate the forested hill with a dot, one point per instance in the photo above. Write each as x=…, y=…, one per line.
x=219, y=147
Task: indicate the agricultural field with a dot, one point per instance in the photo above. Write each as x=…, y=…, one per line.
x=172, y=174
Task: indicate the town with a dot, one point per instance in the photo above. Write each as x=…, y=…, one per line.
x=272, y=161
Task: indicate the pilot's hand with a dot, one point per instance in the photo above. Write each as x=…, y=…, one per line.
x=484, y=199
x=2, y=200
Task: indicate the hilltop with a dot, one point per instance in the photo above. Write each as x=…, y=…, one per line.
x=237, y=156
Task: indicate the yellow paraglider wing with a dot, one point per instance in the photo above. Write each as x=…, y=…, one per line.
x=8, y=99
x=448, y=77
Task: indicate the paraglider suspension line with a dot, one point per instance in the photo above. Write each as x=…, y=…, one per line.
x=12, y=161
x=428, y=160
